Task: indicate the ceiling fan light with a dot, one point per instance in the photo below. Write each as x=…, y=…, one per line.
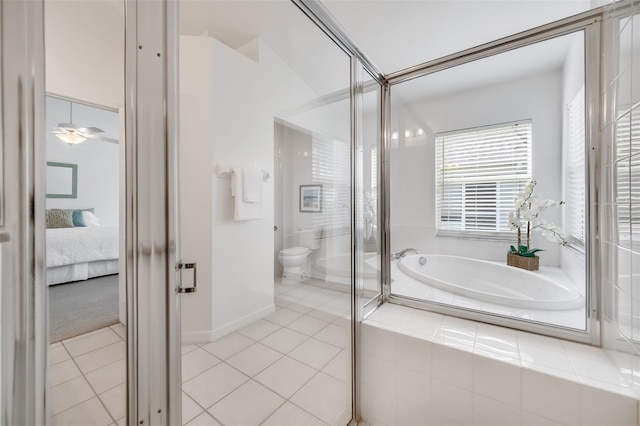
x=71, y=138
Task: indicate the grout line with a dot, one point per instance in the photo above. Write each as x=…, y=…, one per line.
x=95, y=394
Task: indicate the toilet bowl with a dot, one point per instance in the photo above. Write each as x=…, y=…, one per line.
x=294, y=260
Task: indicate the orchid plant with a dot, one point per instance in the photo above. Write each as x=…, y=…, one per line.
x=526, y=215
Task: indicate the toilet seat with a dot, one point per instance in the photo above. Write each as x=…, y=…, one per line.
x=294, y=251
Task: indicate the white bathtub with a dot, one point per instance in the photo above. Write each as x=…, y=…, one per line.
x=491, y=282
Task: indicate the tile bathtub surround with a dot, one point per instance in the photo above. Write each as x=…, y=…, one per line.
x=425, y=368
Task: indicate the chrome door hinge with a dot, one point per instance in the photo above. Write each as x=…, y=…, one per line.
x=180, y=288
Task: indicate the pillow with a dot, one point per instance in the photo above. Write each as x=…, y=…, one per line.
x=78, y=217
x=90, y=219
x=58, y=218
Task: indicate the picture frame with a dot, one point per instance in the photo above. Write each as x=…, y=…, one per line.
x=62, y=180
x=310, y=198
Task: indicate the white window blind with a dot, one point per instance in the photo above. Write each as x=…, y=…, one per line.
x=479, y=173
x=330, y=167
x=628, y=174
x=575, y=173
x=374, y=172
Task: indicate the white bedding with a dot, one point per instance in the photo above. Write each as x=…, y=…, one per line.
x=66, y=246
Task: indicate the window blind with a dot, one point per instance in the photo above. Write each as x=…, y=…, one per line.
x=330, y=167
x=479, y=173
x=628, y=174
x=575, y=172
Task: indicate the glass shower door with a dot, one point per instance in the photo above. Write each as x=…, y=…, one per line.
x=267, y=337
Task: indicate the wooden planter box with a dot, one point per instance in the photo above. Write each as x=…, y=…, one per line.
x=528, y=263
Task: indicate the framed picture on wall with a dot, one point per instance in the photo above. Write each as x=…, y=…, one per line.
x=310, y=198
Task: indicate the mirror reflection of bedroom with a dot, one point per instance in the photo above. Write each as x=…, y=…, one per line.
x=84, y=230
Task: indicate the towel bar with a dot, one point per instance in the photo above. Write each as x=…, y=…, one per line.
x=224, y=172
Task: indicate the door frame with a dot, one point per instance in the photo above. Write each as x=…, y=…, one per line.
x=152, y=246
x=24, y=345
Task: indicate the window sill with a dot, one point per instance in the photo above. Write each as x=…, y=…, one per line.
x=465, y=235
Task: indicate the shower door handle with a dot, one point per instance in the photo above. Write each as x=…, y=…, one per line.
x=180, y=288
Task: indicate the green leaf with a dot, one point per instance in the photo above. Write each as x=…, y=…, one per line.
x=513, y=250
x=523, y=249
x=535, y=250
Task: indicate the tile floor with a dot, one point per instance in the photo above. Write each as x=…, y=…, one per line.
x=290, y=368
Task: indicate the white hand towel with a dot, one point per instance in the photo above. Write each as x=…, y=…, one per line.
x=252, y=185
x=243, y=211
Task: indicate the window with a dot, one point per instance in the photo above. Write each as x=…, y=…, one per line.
x=628, y=174
x=330, y=167
x=575, y=184
x=479, y=173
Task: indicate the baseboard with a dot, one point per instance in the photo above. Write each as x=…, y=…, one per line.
x=198, y=337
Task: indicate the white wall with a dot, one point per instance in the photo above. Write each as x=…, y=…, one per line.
x=85, y=50
x=98, y=161
x=413, y=161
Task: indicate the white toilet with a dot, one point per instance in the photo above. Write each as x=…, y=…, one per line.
x=295, y=259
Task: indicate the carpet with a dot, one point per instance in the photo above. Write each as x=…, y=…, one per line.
x=82, y=306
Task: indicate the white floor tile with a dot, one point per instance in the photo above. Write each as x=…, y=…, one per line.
x=92, y=342
x=284, y=340
x=299, y=307
x=85, y=335
x=228, y=345
x=62, y=372
x=308, y=325
x=302, y=291
x=250, y=404
x=90, y=412
x=259, y=329
x=339, y=367
x=286, y=376
x=323, y=315
x=195, y=362
x=108, y=377
x=116, y=401
x=254, y=359
x=314, y=353
x=290, y=415
x=58, y=354
x=101, y=357
x=214, y=384
x=121, y=330
x=69, y=394
x=203, y=419
x=190, y=410
x=335, y=335
x=283, y=316
x=324, y=397
x=188, y=348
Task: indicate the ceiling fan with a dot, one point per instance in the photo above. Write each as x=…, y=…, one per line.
x=73, y=134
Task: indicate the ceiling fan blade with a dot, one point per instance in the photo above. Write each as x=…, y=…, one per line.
x=98, y=137
x=90, y=130
x=110, y=140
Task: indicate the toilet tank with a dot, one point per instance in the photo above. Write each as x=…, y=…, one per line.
x=307, y=238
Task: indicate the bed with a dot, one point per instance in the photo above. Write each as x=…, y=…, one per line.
x=80, y=253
